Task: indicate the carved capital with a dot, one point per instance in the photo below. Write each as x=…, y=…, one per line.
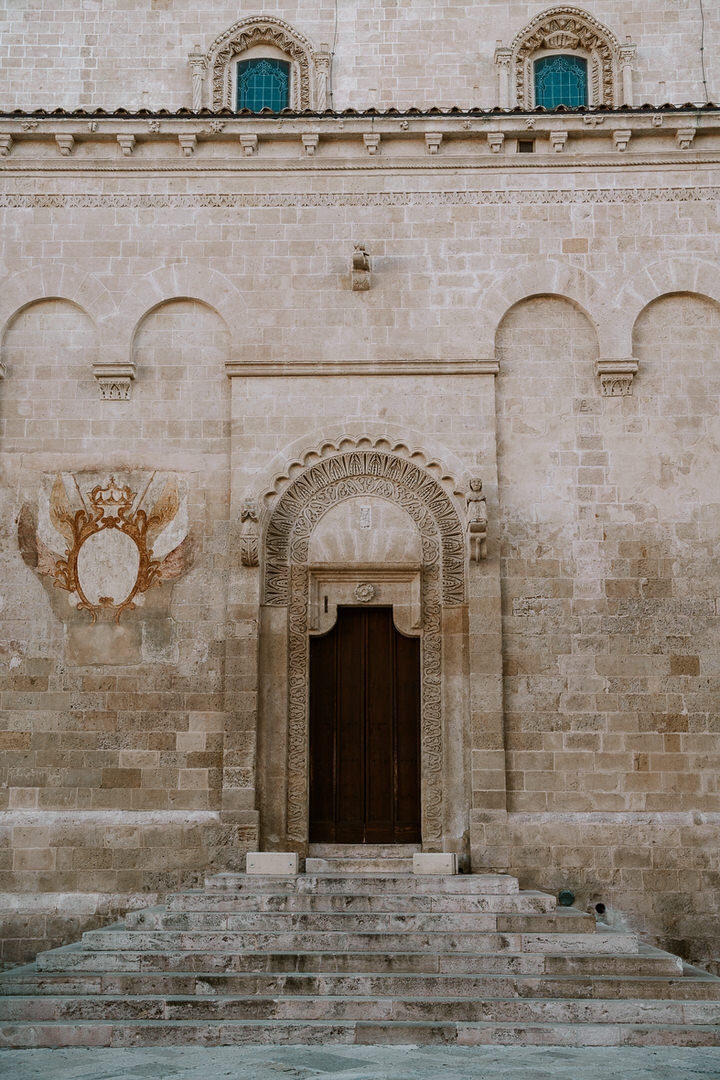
x=616, y=376
x=114, y=380
x=502, y=56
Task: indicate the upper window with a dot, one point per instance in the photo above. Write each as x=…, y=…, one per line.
x=565, y=57
x=263, y=83
x=261, y=63
x=561, y=80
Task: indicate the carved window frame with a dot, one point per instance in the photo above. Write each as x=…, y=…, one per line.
x=567, y=31
x=253, y=33
x=287, y=583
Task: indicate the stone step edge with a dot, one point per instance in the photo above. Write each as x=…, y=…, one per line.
x=441, y=999
x=429, y=976
x=325, y=1024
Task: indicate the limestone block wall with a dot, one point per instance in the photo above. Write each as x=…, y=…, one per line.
x=420, y=54
x=604, y=515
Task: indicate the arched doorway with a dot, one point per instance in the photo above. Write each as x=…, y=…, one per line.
x=365, y=731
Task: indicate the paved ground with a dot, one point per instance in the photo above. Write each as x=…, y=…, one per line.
x=363, y=1063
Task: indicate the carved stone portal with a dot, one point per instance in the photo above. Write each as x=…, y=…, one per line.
x=287, y=583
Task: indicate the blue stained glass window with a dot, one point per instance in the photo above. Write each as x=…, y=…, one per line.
x=263, y=84
x=560, y=80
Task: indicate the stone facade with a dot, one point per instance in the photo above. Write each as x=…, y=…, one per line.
x=182, y=316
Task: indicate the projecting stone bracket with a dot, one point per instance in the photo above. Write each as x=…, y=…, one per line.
x=616, y=376
x=115, y=380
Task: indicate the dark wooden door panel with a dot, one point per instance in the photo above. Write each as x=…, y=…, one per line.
x=364, y=731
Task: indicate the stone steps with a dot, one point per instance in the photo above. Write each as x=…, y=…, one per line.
x=360, y=984
x=76, y=958
x=506, y=903
x=405, y=884
x=366, y=958
x=118, y=1033
x=122, y=939
x=363, y=922
x=356, y=1007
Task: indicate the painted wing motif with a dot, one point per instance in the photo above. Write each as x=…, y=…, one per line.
x=34, y=552
x=163, y=511
x=178, y=560
x=61, y=514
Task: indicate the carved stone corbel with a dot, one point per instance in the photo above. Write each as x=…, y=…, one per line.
x=249, y=533
x=360, y=269
x=115, y=380
x=616, y=376
x=477, y=520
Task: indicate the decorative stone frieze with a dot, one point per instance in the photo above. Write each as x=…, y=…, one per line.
x=616, y=376
x=114, y=380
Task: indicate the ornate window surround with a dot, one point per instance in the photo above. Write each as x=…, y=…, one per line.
x=566, y=31
x=309, y=69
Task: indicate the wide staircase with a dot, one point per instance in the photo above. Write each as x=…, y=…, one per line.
x=358, y=950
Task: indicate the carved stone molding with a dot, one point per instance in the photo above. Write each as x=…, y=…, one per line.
x=568, y=29
x=616, y=376
x=114, y=380
x=249, y=533
x=306, y=69
x=296, y=511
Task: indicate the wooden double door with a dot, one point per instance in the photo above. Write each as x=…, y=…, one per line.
x=365, y=731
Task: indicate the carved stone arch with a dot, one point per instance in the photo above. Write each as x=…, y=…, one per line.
x=56, y=281
x=180, y=282
x=362, y=472
x=549, y=278
x=570, y=30
x=305, y=451
x=321, y=485
x=662, y=278
x=307, y=67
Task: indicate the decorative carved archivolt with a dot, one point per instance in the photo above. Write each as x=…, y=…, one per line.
x=361, y=472
x=309, y=73
x=287, y=582
x=108, y=562
x=573, y=30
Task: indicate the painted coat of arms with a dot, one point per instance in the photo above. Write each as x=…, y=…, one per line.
x=109, y=560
